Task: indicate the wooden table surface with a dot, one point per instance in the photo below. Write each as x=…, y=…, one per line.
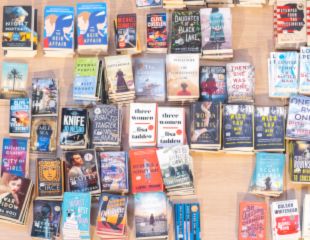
x=222, y=180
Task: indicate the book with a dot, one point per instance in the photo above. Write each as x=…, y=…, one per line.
x=145, y=171
x=82, y=172
x=76, y=209
x=252, y=221
x=185, y=32
x=173, y=4
x=194, y=2
x=49, y=178
x=285, y=220
x=87, y=84
x=267, y=177
x=73, y=130
x=156, y=32
x=15, y=157
x=119, y=78
x=206, y=125
x=238, y=127
x=114, y=171
x=304, y=70
x=14, y=80
x=171, y=128
x=112, y=216
x=15, y=198
x=269, y=128
x=216, y=32
x=290, y=24
x=92, y=28
x=44, y=135
x=142, y=124
x=240, y=82
x=299, y=161
x=150, y=214
x=58, y=36
x=20, y=117
x=298, y=126
x=106, y=126
x=46, y=219
x=283, y=74
x=182, y=77
x=44, y=97
x=149, y=3
x=305, y=218
x=20, y=37
x=212, y=83
x=150, y=78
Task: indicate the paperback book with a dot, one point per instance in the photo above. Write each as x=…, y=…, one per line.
x=49, y=178
x=46, y=219
x=114, y=171
x=213, y=85
x=173, y=4
x=304, y=69
x=156, y=32
x=149, y=3
x=305, y=219
x=20, y=117
x=15, y=157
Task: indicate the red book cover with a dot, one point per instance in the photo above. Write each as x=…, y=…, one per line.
x=145, y=171
x=252, y=220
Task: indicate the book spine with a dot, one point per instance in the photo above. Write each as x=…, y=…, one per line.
x=187, y=221
x=195, y=222
x=179, y=222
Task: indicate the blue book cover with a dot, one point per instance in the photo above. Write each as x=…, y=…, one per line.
x=92, y=24
x=76, y=215
x=187, y=220
x=20, y=116
x=195, y=221
x=59, y=27
x=298, y=124
x=268, y=173
x=179, y=221
x=14, y=76
x=149, y=3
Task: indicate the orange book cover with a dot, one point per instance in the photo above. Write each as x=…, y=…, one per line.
x=145, y=171
x=252, y=220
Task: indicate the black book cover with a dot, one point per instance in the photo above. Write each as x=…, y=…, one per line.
x=300, y=161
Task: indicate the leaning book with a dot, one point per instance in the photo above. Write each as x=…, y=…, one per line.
x=20, y=117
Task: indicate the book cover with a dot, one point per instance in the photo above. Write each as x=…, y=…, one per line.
x=304, y=69
x=14, y=196
x=82, y=174
x=182, y=76
x=268, y=173
x=206, y=123
x=179, y=212
x=44, y=135
x=58, y=27
x=156, y=31
x=299, y=161
x=150, y=78
x=269, y=128
x=195, y=221
x=240, y=82
x=142, y=124
x=252, y=221
x=76, y=216
x=92, y=24
x=145, y=171
x=86, y=77
x=298, y=124
x=126, y=31
x=186, y=32
x=149, y=3
x=151, y=215
x=106, y=125
x=216, y=30
x=44, y=97
x=114, y=171
x=238, y=126
x=112, y=215
x=73, y=131
x=46, y=219
x=20, y=116
x=212, y=82
x=305, y=217
x=171, y=126
x=15, y=156
x=50, y=182
x=17, y=27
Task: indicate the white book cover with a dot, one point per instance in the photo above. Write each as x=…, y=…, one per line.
x=285, y=220
x=171, y=126
x=142, y=124
x=304, y=70
x=306, y=218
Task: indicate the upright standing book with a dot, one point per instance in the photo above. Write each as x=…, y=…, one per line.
x=20, y=117
x=92, y=28
x=156, y=32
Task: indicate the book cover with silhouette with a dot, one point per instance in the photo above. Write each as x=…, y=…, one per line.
x=20, y=117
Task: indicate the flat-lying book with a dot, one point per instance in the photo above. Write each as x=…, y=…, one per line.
x=20, y=117
x=174, y=4
x=251, y=3
x=157, y=34
x=220, y=3
x=149, y=3
x=305, y=219
x=304, y=67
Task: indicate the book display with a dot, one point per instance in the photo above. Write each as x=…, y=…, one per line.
x=155, y=119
